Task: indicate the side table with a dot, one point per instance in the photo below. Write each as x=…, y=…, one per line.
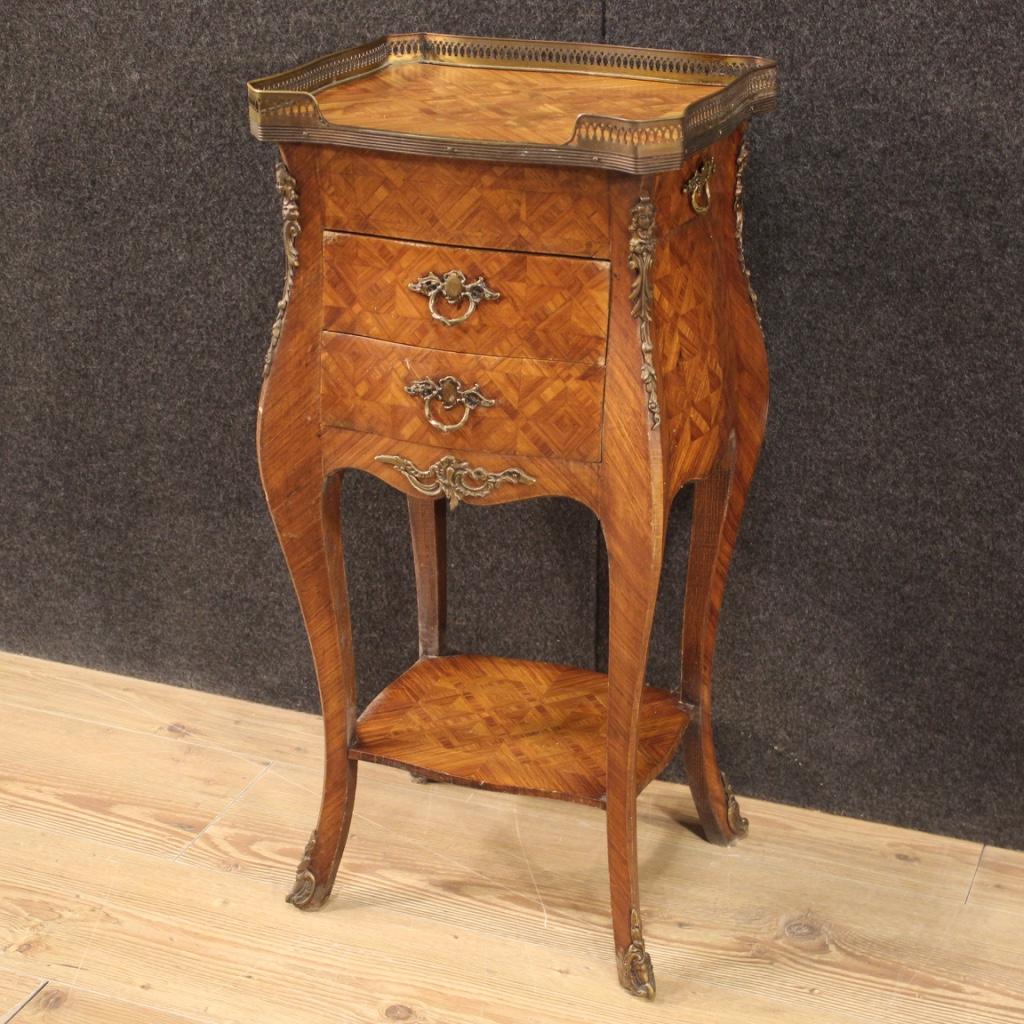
x=514, y=269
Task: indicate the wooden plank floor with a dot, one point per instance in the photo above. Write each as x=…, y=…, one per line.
x=149, y=834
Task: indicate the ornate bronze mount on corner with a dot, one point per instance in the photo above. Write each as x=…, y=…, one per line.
x=454, y=287
x=450, y=393
x=642, y=242
x=698, y=188
x=454, y=479
x=290, y=229
x=636, y=972
x=741, y=165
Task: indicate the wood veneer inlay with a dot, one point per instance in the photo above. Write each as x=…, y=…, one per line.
x=510, y=725
x=615, y=381
x=543, y=408
x=551, y=307
x=483, y=103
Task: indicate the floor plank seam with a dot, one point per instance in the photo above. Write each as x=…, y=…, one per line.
x=274, y=769
x=974, y=877
x=176, y=859
x=108, y=694
x=101, y=905
x=21, y=1006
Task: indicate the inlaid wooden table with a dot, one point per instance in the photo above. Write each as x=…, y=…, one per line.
x=515, y=269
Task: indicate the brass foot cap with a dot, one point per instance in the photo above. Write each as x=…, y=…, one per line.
x=636, y=975
x=304, y=891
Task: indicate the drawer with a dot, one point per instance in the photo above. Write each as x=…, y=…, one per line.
x=541, y=407
x=465, y=202
x=548, y=307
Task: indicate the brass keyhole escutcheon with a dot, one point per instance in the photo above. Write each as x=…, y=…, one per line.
x=450, y=393
x=455, y=288
x=453, y=282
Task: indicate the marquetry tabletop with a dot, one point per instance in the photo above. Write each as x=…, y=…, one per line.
x=517, y=100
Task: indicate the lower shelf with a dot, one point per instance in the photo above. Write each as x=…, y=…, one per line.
x=517, y=726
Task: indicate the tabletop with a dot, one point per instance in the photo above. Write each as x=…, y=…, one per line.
x=530, y=101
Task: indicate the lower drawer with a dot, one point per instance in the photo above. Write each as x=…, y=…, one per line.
x=540, y=407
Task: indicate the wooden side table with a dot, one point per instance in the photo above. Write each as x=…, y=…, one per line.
x=514, y=269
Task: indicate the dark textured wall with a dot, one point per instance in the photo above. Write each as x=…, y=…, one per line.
x=870, y=657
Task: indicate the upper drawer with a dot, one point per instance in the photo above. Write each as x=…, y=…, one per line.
x=549, y=307
x=465, y=202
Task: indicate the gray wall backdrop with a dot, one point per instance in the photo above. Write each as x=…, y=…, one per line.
x=870, y=654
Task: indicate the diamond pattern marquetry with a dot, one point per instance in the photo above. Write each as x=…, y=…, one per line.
x=476, y=103
x=550, y=307
x=493, y=206
x=690, y=317
x=542, y=360
x=559, y=412
x=540, y=407
x=520, y=726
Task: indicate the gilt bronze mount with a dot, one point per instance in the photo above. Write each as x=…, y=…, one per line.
x=450, y=393
x=304, y=889
x=455, y=288
x=642, y=241
x=453, y=478
x=698, y=188
x=636, y=972
x=290, y=229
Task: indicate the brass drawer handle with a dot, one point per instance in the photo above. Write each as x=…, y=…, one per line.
x=455, y=479
x=699, y=186
x=450, y=393
x=453, y=287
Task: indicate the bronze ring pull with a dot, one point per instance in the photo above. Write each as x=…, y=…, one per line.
x=453, y=287
x=699, y=186
x=450, y=393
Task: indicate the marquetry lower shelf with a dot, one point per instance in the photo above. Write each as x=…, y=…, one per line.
x=516, y=726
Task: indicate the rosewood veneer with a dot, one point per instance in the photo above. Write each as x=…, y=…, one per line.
x=515, y=269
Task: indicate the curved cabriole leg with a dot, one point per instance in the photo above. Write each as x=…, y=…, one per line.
x=632, y=515
x=710, y=549
x=306, y=509
x=634, y=564
x=717, y=510
x=309, y=528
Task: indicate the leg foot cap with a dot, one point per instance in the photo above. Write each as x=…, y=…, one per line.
x=636, y=972
x=304, y=893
